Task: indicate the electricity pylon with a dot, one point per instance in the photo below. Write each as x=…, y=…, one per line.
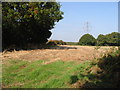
x=86, y=27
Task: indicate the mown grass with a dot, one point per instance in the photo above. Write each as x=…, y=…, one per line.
x=59, y=74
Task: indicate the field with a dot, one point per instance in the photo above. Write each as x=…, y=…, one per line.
x=58, y=67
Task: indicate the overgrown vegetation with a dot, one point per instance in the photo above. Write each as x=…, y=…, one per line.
x=103, y=72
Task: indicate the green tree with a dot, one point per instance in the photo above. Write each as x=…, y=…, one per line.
x=29, y=22
x=112, y=39
x=87, y=39
x=102, y=40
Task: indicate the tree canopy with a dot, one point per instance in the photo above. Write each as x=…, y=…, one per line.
x=28, y=22
x=112, y=39
x=87, y=39
x=102, y=40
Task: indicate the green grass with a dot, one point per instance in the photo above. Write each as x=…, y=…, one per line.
x=59, y=74
x=18, y=73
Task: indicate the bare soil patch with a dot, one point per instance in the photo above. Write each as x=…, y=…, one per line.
x=64, y=52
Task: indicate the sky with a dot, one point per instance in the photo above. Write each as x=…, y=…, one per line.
x=102, y=18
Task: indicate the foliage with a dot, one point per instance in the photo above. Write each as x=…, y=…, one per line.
x=28, y=22
x=87, y=39
x=111, y=62
x=101, y=40
x=112, y=39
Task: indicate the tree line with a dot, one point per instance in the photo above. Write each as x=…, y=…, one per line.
x=112, y=39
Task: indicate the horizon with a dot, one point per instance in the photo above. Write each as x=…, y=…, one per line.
x=86, y=17
x=84, y=34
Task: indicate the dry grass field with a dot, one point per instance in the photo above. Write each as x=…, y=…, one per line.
x=64, y=52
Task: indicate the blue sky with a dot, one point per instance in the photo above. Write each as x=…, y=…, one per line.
x=101, y=16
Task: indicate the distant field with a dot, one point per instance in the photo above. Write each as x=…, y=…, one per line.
x=72, y=43
x=59, y=67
